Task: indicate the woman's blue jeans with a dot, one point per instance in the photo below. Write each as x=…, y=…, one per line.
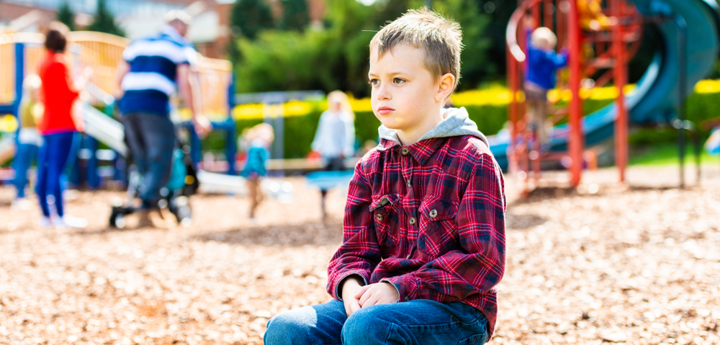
x=26, y=154
x=53, y=157
x=414, y=322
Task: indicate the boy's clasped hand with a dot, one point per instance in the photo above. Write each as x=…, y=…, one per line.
x=356, y=296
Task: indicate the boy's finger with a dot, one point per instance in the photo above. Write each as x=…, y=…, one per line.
x=364, y=298
x=354, y=306
x=362, y=291
x=373, y=300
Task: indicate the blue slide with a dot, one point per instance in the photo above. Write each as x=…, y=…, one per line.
x=655, y=97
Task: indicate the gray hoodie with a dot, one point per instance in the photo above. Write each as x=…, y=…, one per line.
x=455, y=123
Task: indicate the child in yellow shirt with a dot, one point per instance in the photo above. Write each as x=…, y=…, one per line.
x=29, y=139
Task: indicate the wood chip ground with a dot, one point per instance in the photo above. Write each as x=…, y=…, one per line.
x=599, y=264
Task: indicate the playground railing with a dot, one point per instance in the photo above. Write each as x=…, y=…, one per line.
x=103, y=53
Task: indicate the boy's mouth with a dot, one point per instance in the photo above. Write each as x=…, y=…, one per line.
x=385, y=110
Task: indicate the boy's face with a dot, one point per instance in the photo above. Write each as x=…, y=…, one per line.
x=404, y=92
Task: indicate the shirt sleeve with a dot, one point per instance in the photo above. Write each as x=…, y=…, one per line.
x=478, y=264
x=558, y=60
x=359, y=253
x=191, y=56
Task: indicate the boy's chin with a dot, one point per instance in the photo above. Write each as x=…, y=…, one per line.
x=390, y=125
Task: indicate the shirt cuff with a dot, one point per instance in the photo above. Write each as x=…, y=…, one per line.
x=341, y=280
x=406, y=286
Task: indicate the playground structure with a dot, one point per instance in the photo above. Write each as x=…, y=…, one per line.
x=657, y=98
x=103, y=52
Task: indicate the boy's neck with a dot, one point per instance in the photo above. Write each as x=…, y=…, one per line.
x=412, y=136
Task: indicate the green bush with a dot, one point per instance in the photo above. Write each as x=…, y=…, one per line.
x=299, y=131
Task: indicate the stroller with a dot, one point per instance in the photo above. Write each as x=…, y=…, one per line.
x=183, y=183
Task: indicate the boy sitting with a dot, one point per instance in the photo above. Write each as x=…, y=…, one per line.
x=424, y=228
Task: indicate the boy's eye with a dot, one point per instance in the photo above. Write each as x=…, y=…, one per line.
x=374, y=82
x=398, y=80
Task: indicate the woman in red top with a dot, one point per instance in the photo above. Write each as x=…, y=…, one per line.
x=57, y=127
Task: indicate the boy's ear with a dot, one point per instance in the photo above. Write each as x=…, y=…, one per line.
x=447, y=82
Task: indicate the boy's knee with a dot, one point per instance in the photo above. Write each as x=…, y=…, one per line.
x=365, y=326
x=287, y=328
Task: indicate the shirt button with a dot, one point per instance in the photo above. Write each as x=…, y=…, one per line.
x=405, y=151
x=379, y=217
x=433, y=213
x=409, y=183
x=412, y=220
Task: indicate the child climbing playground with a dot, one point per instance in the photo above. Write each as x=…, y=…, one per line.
x=542, y=65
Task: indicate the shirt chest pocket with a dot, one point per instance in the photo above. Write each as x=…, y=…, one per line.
x=437, y=227
x=384, y=210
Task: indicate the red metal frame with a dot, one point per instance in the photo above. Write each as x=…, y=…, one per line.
x=576, y=140
x=613, y=51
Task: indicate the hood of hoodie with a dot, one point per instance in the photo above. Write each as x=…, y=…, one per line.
x=455, y=123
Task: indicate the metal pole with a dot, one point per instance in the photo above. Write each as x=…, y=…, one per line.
x=513, y=112
x=19, y=78
x=621, y=121
x=428, y=4
x=682, y=78
x=575, y=139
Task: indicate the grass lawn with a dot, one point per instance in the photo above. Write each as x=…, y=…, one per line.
x=667, y=153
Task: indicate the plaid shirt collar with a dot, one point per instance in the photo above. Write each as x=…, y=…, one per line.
x=421, y=151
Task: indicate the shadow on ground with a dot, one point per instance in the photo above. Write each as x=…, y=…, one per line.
x=545, y=193
x=313, y=233
x=524, y=221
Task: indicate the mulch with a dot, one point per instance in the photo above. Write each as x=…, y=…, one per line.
x=634, y=264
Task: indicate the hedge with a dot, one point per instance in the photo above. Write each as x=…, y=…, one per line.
x=300, y=129
x=488, y=108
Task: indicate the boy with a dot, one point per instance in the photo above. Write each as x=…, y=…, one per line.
x=543, y=63
x=424, y=228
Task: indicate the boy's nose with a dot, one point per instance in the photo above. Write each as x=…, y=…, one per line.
x=382, y=93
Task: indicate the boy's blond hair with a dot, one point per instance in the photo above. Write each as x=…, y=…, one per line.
x=439, y=37
x=343, y=99
x=543, y=38
x=262, y=131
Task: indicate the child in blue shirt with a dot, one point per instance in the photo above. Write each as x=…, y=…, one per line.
x=542, y=65
x=260, y=138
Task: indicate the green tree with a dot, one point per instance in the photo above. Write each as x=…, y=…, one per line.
x=249, y=17
x=104, y=21
x=337, y=56
x=66, y=16
x=476, y=62
x=499, y=12
x=295, y=15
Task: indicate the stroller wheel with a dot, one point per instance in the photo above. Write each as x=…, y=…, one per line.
x=117, y=217
x=180, y=208
x=120, y=222
x=183, y=214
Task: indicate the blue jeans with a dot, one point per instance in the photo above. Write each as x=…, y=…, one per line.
x=53, y=157
x=414, y=322
x=26, y=154
x=151, y=139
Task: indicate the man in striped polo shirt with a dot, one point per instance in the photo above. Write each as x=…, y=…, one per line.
x=152, y=68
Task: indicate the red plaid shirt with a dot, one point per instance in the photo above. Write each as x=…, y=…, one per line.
x=428, y=218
